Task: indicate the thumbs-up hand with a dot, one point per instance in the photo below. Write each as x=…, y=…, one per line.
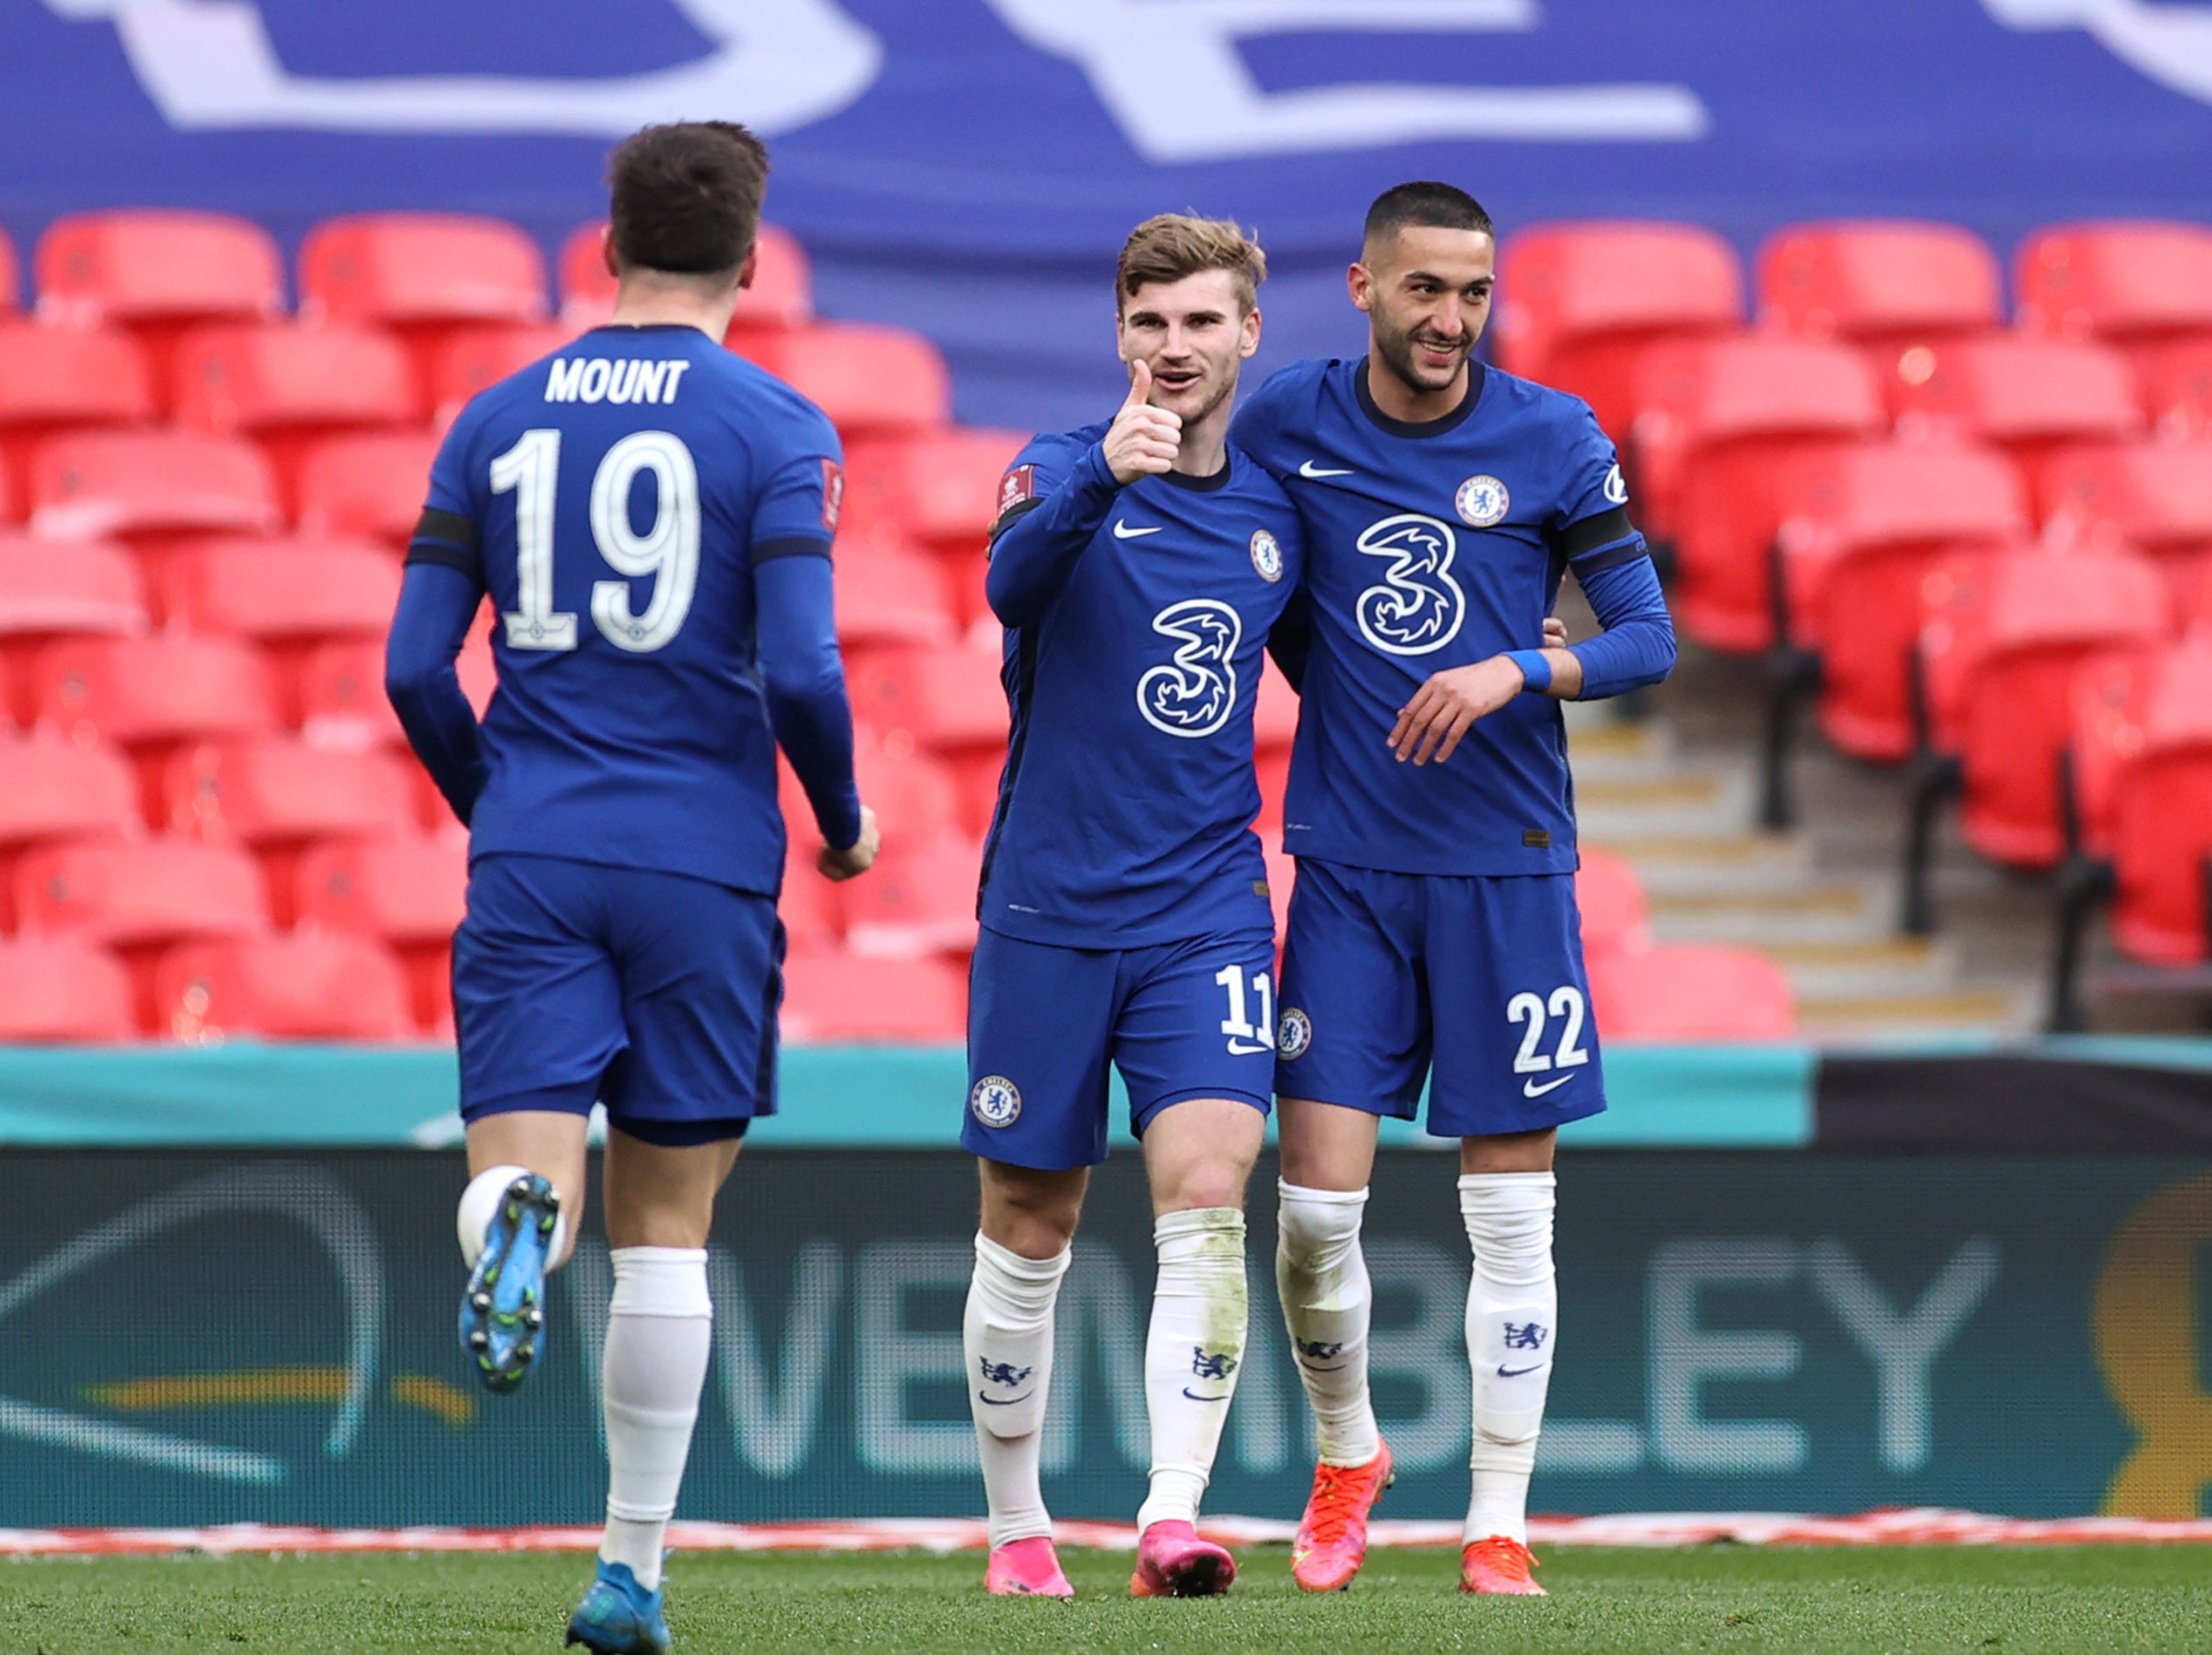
x=1143, y=439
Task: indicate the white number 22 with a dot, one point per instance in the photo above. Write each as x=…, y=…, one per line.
x=1566, y=1001
x=667, y=552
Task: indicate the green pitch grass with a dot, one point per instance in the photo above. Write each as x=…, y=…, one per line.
x=2008, y=1601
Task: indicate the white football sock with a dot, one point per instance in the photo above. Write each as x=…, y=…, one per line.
x=659, y=1331
x=480, y=1204
x=1512, y=1327
x=1196, y=1344
x=1008, y=1334
x=1321, y=1276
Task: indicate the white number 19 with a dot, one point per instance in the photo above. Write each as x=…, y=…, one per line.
x=667, y=554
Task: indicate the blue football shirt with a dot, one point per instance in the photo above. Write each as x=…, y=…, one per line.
x=1432, y=545
x=1137, y=622
x=615, y=500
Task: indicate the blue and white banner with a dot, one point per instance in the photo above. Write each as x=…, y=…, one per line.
x=969, y=166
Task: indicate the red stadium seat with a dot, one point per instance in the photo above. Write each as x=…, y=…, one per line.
x=1578, y=302
x=866, y=378
x=50, y=788
x=781, y=293
x=1691, y=994
x=51, y=588
x=416, y=270
x=808, y=906
x=336, y=698
x=56, y=989
x=2004, y=639
x=1884, y=285
x=2154, y=496
x=2126, y=284
x=1271, y=769
x=149, y=483
x=153, y=266
x=284, y=380
x=2027, y=395
x=887, y=592
x=940, y=488
x=365, y=484
x=1719, y=416
x=2143, y=756
x=1616, y=915
x=58, y=379
x=309, y=987
x=918, y=899
x=1859, y=529
x=409, y=892
x=831, y=998
x=143, y=692
x=135, y=895
x=273, y=790
x=2176, y=386
x=279, y=591
x=470, y=359
x=914, y=794
x=948, y=700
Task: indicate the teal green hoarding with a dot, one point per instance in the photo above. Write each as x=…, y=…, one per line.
x=201, y=1336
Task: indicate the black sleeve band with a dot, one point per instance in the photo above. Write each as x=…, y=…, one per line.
x=791, y=546
x=1597, y=562
x=1591, y=532
x=448, y=555
x=449, y=526
x=1018, y=509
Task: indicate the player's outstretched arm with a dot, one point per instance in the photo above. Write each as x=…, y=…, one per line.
x=1040, y=540
x=437, y=603
x=804, y=679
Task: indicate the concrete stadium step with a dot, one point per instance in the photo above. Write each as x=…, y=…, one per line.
x=1859, y=910
x=1998, y=1010
x=1878, y=968
x=1695, y=862
x=1681, y=801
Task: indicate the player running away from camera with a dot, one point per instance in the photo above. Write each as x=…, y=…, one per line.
x=1433, y=933
x=650, y=518
x=1138, y=565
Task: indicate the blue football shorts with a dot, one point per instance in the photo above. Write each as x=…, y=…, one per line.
x=1179, y=1020
x=653, y=993
x=1388, y=977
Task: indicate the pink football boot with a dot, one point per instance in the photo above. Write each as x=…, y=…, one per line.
x=1171, y=1561
x=1026, y=1568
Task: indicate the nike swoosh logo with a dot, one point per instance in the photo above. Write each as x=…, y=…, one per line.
x=1123, y=532
x=1317, y=472
x=1004, y=1401
x=1516, y=1372
x=1245, y=1048
x=1529, y=1088
x=1195, y=1397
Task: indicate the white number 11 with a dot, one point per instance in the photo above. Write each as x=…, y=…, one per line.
x=1235, y=1026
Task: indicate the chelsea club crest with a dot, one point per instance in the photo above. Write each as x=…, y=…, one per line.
x=1482, y=502
x=1267, y=556
x=1294, y=1033
x=996, y=1101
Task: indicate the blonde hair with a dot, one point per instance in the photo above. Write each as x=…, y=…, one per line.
x=1175, y=245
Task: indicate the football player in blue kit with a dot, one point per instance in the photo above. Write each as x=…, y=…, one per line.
x=1433, y=934
x=1138, y=566
x=650, y=518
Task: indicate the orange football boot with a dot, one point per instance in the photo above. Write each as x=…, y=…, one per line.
x=1499, y=1567
x=1332, y=1537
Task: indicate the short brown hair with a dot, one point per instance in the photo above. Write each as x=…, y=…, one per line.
x=1174, y=244
x=687, y=196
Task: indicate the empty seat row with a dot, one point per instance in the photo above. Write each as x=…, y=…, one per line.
x=1580, y=303
x=159, y=268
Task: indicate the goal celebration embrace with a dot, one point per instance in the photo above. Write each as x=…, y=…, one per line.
x=1393, y=529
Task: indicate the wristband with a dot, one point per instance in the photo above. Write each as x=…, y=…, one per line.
x=1536, y=670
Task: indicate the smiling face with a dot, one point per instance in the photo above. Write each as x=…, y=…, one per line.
x=1194, y=334
x=1426, y=291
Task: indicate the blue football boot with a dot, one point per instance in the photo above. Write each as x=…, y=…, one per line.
x=618, y=1617
x=503, y=1314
